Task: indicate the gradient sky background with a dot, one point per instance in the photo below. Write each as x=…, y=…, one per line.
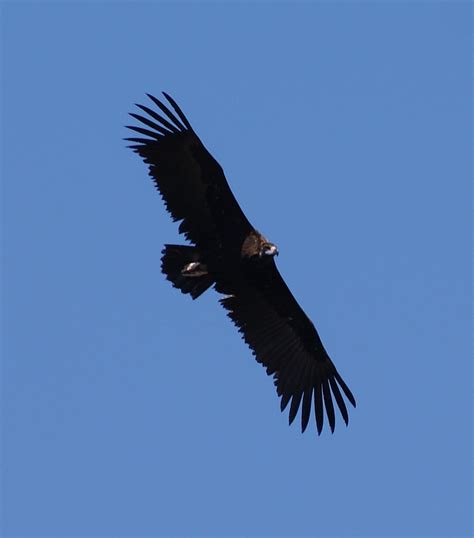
x=344, y=130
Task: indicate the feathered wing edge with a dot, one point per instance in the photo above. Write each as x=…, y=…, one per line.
x=174, y=124
x=179, y=166
x=306, y=380
x=191, y=182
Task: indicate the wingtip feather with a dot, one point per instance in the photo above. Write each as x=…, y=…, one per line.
x=178, y=111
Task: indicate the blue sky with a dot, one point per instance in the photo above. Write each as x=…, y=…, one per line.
x=344, y=130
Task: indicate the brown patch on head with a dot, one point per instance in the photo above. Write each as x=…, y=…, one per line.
x=253, y=244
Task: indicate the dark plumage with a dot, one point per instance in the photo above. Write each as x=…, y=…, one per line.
x=238, y=261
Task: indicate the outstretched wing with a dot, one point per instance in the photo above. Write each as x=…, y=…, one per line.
x=284, y=340
x=190, y=181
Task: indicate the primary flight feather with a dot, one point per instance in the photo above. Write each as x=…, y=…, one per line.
x=228, y=253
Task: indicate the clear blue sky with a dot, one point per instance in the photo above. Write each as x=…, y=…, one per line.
x=344, y=130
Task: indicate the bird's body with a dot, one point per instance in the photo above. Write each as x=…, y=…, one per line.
x=227, y=252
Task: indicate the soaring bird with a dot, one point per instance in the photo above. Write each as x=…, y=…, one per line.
x=228, y=253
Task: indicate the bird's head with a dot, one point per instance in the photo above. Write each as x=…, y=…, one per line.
x=268, y=249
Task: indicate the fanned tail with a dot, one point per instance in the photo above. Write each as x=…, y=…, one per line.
x=184, y=268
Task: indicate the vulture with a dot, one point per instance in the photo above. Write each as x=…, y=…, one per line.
x=230, y=255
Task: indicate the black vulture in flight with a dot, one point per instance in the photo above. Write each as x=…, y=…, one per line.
x=228, y=253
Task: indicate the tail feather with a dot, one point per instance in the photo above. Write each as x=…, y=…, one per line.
x=184, y=268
